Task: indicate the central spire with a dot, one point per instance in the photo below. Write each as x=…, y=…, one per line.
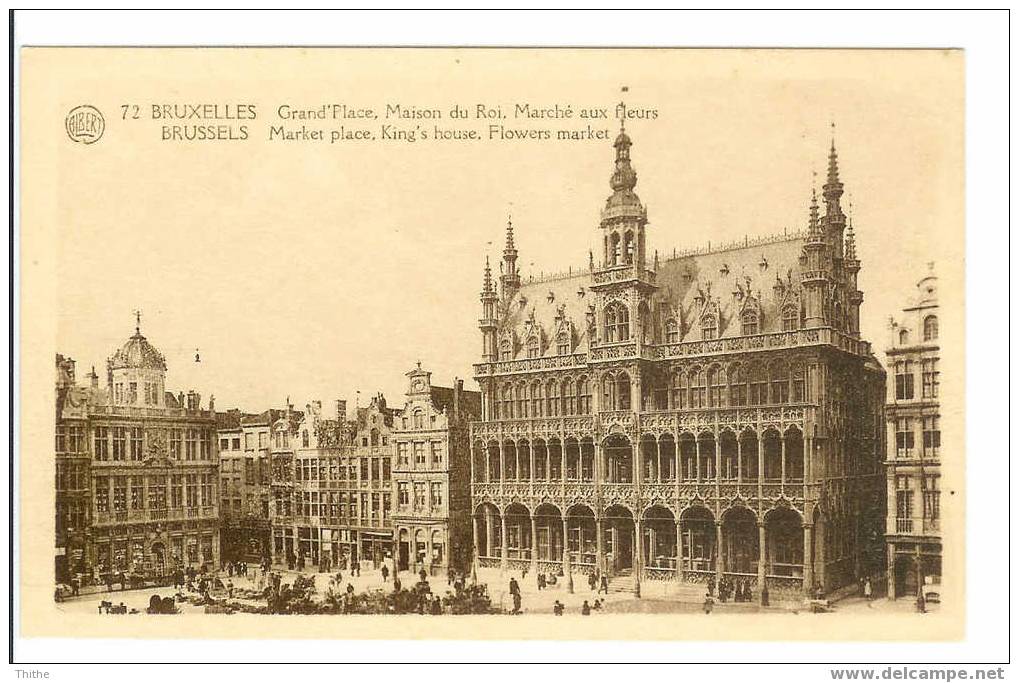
x=624, y=178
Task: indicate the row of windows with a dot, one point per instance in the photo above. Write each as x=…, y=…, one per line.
x=342, y=469
x=617, y=324
x=120, y=493
x=127, y=443
x=71, y=514
x=714, y=387
x=905, y=435
x=930, y=379
x=427, y=495
x=930, y=490
x=417, y=419
x=130, y=395
x=234, y=443
x=336, y=504
x=255, y=470
x=426, y=454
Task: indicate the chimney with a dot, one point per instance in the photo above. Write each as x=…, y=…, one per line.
x=93, y=378
x=109, y=377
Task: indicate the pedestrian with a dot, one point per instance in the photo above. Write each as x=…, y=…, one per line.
x=709, y=603
x=229, y=588
x=514, y=587
x=229, y=569
x=558, y=609
x=596, y=606
x=764, y=595
x=396, y=583
x=516, y=602
x=74, y=585
x=867, y=590
x=711, y=585
x=541, y=581
x=350, y=589
x=385, y=573
x=604, y=585
x=585, y=609
x=592, y=581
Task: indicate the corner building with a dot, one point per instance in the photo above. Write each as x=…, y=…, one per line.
x=913, y=466
x=711, y=414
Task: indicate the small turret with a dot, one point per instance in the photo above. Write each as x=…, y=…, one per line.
x=834, y=219
x=488, y=322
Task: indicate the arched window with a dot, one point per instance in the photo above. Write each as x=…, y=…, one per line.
x=671, y=331
x=680, y=399
x=522, y=402
x=709, y=326
x=738, y=386
x=374, y=435
x=716, y=387
x=552, y=398
x=751, y=322
x=583, y=396
x=537, y=400
x=505, y=350
x=758, y=394
x=790, y=319
x=698, y=389
x=617, y=323
x=533, y=347
x=903, y=336
x=569, y=397
x=644, y=323
x=930, y=328
x=622, y=391
x=419, y=417
x=779, y=382
x=799, y=383
x=563, y=346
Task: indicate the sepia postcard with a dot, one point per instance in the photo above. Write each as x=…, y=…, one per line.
x=465, y=343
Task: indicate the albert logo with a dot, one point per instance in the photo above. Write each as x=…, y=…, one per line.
x=85, y=124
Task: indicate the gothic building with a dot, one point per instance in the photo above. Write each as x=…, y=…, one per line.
x=715, y=413
x=913, y=465
x=137, y=471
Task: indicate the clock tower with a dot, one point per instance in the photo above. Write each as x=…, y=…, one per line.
x=419, y=382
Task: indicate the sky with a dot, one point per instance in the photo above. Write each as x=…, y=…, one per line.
x=314, y=272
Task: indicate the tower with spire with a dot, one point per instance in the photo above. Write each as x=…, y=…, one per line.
x=834, y=219
x=509, y=279
x=814, y=267
x=624, y=218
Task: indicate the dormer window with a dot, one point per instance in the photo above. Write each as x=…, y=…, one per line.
x=930, y=328
x=617, y=323
x=533, y=347
x=751, y=323
x=563, y=344
x=903, y=337
x=709, y=327
x=790, y=319
x=505, y=350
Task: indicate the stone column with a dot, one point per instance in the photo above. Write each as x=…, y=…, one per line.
x=476, y=553
x=891, y=571
x=761, y=558
x=638, y=559
x=697, y=465
x=599, y=561
x=502, y=465
x=739, y=460
x=489, y=529
x=719, y=552
x=567, y=570
x=760, y=466
x=503, y=543
x=808, y=565
x=679, y=551
x=534, y=546
x=530, y=461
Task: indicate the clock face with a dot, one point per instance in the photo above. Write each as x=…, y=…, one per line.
x=418, y=385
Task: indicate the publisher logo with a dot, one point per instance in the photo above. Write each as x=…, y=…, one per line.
x=85, y=124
